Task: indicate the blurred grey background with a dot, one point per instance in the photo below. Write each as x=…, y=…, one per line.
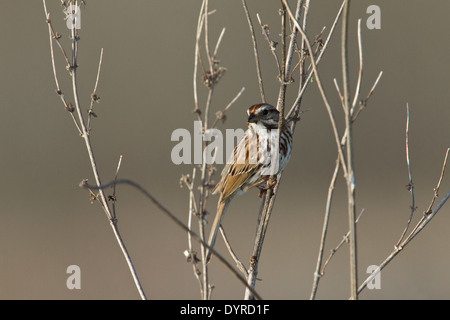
x=48, y=223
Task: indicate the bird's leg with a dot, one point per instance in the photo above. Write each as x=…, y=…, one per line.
x=270, y=183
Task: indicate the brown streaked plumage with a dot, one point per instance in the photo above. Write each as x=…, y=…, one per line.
x=251, y=161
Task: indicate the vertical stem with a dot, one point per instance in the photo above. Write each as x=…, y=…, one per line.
x=350, y=177
x=86, y=138
x=103, y=200
x=269, y=199
x=255, y=50
x=283, y=80
x=267, y=205
x=317, y=273
x=202, y=213
x=203, y=190
x=291, y=48
x=211, y=70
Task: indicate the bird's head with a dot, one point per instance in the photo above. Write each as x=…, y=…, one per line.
x=264, y=114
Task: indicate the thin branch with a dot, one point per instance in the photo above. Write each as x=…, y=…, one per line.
x=196, y=56
x=295, y=106
x=207, y=107
x=302, y=52
x=293, y=36
x=177, y=221
x=94, y=97
x=220, y=115
x=426, y=218
x=203, y=171
x=255, y=50
x=363, y=103
x=436, y=190
x=341, y=97
x=272, y=44
x=360, y=73
x=85, y=135
x=54, y=36
x=113, y=197
x=219, y=40
x=410, y=183
x=269, y=199
x=267, y=203
x=283, y=76
x=238, y=262
x=210, y=78
x=350, y=176
x=345, y=239
x=206, y=14
x=419, y=227
x=435, y=193
x=202, y=213
x=191, y=256
x=424, y=221
x=317, y=273
x=322, y=91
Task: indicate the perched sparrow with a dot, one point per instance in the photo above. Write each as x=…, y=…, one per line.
x=253, y=160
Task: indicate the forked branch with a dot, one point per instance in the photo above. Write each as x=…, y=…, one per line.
x=83, y=129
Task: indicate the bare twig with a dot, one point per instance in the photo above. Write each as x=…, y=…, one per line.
x=397, y=249
x=293, y=41
x=208, y=55
x=267, y=203
x=436, y=190
x=94, y=96
x=360, y=73
x=321, y=89
x=177, y=221
x=197, y=55
x=219, y=40
x=191, y=255
x=238, y=262
x=426, y=218
x=295, y=107
x=272, y=44
x=210, y=79
x=339, y=91
x=255, y=50
x=282, y=76
x=362, y=104
x=435, y=193
x=221, y=114
x=410, y=183
x=72, y=67
x=270, y=196
x=302, y=54
x=317, y=273
x=345, y=239
x=350, y=175
x=113, y=197
x=55, y=37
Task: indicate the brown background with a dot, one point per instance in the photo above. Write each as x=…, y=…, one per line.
x=47, y=222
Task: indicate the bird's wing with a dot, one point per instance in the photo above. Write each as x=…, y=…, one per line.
x=241, y=166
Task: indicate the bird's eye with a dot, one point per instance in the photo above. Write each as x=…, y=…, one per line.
x=265, y=112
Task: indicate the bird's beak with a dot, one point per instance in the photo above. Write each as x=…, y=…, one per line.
x=252, y=118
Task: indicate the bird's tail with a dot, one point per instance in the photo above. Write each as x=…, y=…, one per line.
x=221, y=208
